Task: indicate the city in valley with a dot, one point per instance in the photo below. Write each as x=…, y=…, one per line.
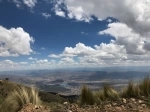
x=70, y=82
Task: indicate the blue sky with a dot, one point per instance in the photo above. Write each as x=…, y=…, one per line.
x=62, y=33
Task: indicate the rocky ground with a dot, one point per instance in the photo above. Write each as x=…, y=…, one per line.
x=123, y=105
x=34, y=108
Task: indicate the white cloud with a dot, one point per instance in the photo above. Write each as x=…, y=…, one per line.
x=15, y=42
x=42, y=61
x=80, y=49
x=30, y=58
x=43, y=48
x=11, y=65
x=103, y=55
x=46, y=15
x=131, y=40
x=18, y=3
x=84, y=33
x=60, y=55
x=58, y=11
x=35, y=52
x=23, y=63
x=109, y=20
x=68, y=60
x=30, y=3
x=134, y=13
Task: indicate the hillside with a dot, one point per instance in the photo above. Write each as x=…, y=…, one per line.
x=48, y=99
x=105, y=100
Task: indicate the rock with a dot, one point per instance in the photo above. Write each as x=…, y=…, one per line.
x=65, y=103
x=133, y=100
x=124, y=100
x=34, y=108
x=114, y=104
x=143, y=105
x=118, y=109
x=140, y=101
x=108, y=106
x=130, y=105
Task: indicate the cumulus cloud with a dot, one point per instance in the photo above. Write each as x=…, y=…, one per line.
x=11, y=65
x=23, y=63
x=84, y=33
x=30, y=58
x=109, y=20
x=42, y=61
x=15, y=42
x=68, y=60
x=30, y=3
x=46, y=15
x=132, y=41
x=60, y=55
x=103, y=54
x=131, y=44
x=58, y=11
x=17, y=2
x=8, y=63
x=134, y=13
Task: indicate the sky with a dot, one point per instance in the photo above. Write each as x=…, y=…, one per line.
x=47, y=34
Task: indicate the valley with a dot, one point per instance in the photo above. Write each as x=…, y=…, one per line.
x=69, y=82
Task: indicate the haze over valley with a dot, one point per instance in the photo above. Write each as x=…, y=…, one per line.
x=69, y=82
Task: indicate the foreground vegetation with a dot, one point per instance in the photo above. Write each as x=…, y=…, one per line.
x=108, y=93
x=14, y=96
x=19, y=97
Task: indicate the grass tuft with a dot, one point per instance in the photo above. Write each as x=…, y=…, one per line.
x=86, y=97
x=141, y=89
x=130, y=91
x=89, y=98
x=19, y=97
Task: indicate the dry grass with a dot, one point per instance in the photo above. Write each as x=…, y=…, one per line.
x=130, y=91
x=138, y=90
x=108, y=93
x=97, y=97
x=145, y=87
x=20, y=96
x=86, y=97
